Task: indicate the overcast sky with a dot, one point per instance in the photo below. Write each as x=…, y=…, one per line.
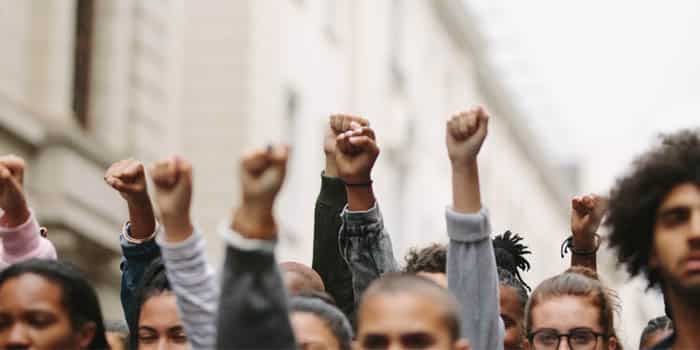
x=599, y=78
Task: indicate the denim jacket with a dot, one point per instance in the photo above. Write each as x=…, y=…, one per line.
x=471, y=267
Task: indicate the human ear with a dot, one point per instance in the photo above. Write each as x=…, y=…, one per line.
x=86, y=334
x=462, y=344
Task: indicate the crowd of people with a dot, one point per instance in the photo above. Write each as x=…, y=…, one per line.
x=466, y=294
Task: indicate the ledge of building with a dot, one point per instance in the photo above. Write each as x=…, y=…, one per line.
x=66, y=168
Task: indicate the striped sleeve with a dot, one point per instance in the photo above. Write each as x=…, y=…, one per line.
x=195, y=286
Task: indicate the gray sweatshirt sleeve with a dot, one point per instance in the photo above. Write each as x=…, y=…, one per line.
x=473, y=279
x=195, y=286
x=366, y=247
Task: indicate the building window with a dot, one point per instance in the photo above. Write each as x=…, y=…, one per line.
x=82, y=60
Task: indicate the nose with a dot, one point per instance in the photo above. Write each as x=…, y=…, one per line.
x=18, y=337
x=163, y=343
x=563, y=343
x=695, y=226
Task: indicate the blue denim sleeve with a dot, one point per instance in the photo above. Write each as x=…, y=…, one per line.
x=366, y=247
x=135, y=259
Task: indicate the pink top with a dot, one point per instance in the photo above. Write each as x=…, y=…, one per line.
x=24, y=242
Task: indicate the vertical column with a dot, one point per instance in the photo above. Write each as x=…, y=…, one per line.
x=50, y=56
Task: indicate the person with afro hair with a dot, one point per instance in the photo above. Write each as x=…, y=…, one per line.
x=654, y=221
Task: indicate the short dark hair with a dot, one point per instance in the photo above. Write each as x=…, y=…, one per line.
x=154, y=282
x=404, y=283
x=331, y=315
x=431, y=259
x=658, y=324
x=638, y=194
x=77, y=295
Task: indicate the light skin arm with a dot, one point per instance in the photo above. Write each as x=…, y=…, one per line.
x=128, y=177
x=12, y=199
x=262, y=175
x=173, y=183
x=586, y=215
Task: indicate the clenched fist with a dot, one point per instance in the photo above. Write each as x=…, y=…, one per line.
x=172, y=179
x=129, y=178
x=338, y=124
x=466, y=132
x=357, y=151
x=586, y=215
x=12, y=199
x=262, y=174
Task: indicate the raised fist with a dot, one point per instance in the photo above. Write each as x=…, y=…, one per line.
x=586, y=215
x=129, y=178
x=356, y=153
x=466, y=132
x=338, y=124
x=172, y=179
x=262, y=175
x=12, y=199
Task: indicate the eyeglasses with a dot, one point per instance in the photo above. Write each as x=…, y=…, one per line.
x=577, y=338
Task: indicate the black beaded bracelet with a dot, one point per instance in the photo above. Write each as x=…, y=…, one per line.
x=568, y=245
x=361, y=184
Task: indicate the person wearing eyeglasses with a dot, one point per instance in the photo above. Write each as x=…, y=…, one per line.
x=573, y=309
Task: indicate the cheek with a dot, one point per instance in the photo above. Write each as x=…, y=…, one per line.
x=57, y=336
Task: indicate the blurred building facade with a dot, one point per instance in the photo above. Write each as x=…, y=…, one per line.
x=84, y=83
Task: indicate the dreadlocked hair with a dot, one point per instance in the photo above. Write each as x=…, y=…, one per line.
x=510, y=255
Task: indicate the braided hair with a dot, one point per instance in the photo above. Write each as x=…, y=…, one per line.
x=510, y=256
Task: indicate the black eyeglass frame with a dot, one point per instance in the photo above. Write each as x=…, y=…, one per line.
x=532, y=335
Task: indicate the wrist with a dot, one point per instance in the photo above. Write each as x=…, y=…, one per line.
x=331, y=169
x=254, y=222
x=16, y=216
x=177, y=228
x=584, y=241
x=360, y=198
x=464, y=166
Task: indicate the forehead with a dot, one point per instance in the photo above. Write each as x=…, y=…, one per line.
x=160, y=311
x=564, y=313
x=395, y=313
x=686, y=194
x=309, y=328
x=510, y=302
x=30, y=291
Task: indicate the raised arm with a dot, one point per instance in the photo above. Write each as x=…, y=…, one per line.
x=586, y=215
x=471, y=265
x=128, y=177
x=190, y=276
x=364, y=243
x=253, y=306
x=19, y=230
x=327, y=260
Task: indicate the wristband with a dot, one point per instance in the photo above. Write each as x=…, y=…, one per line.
x=568, y=245
x=359, y=184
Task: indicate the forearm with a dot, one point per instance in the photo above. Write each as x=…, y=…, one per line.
x=472, y=276
x=196, y=290
x=327, y=260
x=584, y=244
x=366, y=247
x=466, y=194
x=23, y=241
x=253, y=304
x=142, y=219
x=136, y=257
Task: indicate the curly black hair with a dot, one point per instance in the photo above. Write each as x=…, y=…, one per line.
x=431, y=259
x=637, y=195
x=510, y=255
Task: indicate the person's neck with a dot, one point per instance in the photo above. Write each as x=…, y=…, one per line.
x=686, y=321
